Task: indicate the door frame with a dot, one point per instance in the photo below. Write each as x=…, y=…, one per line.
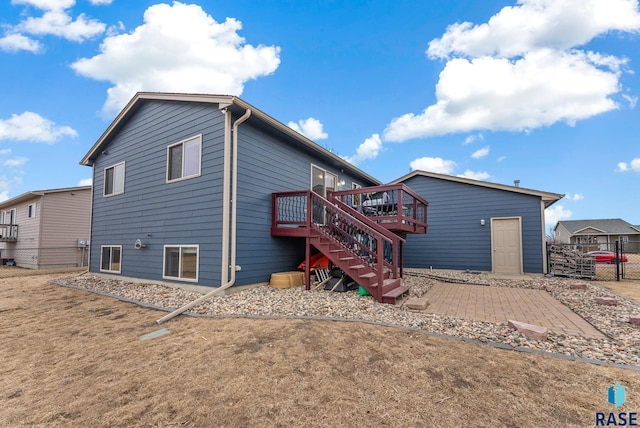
x=493, y=250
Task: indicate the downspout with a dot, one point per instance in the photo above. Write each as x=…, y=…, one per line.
x=234, y=194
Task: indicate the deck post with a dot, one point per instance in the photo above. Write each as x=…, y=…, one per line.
x=307, y=264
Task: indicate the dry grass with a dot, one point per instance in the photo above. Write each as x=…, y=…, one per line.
x=72, y=358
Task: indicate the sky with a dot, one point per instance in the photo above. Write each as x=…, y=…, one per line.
x=541, y=91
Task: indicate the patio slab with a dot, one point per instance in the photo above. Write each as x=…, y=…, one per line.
x=501, y=304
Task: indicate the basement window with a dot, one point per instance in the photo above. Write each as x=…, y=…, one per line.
x=110, y=260
x=181, y=262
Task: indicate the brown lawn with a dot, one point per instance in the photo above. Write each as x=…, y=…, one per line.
x=72, y=358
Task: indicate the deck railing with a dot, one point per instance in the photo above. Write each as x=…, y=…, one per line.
x=395, y=206
x=8, y=232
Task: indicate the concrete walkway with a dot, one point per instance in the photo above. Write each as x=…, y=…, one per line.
x=500, y=304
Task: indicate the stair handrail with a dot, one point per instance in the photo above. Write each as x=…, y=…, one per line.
x=367, y=226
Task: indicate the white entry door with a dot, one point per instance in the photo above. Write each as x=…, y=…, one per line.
x=506, y=245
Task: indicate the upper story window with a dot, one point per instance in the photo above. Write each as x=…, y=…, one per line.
x=31, y=211
x=114, y=180
x=183, y=159
x=8, y=217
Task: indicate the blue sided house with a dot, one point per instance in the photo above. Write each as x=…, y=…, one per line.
x=479, y=225
x=208, y=190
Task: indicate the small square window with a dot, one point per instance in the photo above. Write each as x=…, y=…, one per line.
x=114, y=180
x=110, y=258
x=183, y=159
x=181, y=262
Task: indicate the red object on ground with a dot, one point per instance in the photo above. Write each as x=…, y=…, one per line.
x=318, y=261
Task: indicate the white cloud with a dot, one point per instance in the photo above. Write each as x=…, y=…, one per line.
x=437, y=165
x=5, y=152
x=574, y=197
x=501, y=158
x=30, y=126
x=369, y=149
x=498, y=94
x=480, y=153
x=555, y=214
x=179, y=48
x=522, y=70
x=17, y=42
x=535, y=24
x=85, y=182
x=634, y=165
x=479, y=175
x=633, y=101
x=19, y=161
x=55, y=20
x=59, y=23
x=471, y=138
x=101, y=2
x=5, y=186
x=622, y=166
x=310, y=128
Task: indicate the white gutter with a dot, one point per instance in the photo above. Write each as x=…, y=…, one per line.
x=234, y=194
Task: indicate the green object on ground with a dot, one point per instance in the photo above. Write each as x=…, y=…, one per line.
x=363, y=292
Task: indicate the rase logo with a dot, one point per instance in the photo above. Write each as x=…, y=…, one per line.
x=616, y=397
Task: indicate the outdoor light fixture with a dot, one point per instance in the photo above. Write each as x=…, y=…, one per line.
x=481, y=222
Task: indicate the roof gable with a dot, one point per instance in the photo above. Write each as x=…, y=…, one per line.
x=614, y=226
x=38, y=193
x=224, y=102
x=547, y=197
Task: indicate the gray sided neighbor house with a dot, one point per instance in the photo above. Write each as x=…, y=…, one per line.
x=164, y=172
x=603, y=232
x=479, y=225
x=46, y=228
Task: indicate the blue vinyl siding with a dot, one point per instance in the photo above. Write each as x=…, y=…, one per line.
x=159, y=213
x=190, y=211
x=267, y=164
x=455, y=238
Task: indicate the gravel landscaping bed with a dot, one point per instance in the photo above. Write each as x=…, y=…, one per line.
x=622, y=345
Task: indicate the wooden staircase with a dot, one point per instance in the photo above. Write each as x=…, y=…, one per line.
x=365, y=243
x=357, y=268
x=362, y=249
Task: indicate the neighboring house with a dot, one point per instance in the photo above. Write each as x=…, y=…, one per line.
x=184, y=187
x=604, y=232
x=478, y=225
x=46, y=228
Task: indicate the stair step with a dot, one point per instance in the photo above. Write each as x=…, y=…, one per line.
x=357, y=267
x=368, y=275
x=346, y=259
x=392, y=295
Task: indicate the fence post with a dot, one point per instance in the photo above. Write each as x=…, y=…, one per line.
x=617, y=260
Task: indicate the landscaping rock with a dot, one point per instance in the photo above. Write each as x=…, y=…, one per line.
x=608, y=301
x=578, y=286
x=635, y=320
x=417, y=303
x=531, y=331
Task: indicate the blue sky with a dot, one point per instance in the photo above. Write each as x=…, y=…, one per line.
x=541, y=91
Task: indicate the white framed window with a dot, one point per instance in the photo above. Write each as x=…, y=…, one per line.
x=183, y=159
x=110, y=258
x=181, y=262
x=114, y=179
x=9, y=217
x=623, y=238
x=31, y=211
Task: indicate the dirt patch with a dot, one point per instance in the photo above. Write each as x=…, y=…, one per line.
x=77, y=355
x=15, y=271
x=630, y=289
